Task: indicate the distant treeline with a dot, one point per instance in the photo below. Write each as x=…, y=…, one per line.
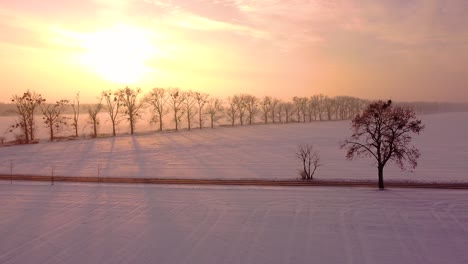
x=9, y=109
x=187, y=109
x=436, y=107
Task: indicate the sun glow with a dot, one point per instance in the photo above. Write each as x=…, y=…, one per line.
x=119, y=54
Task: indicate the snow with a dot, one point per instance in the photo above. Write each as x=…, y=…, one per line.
x=249, y=152
x=104, y=223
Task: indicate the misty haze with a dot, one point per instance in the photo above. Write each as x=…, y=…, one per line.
x=136, y=131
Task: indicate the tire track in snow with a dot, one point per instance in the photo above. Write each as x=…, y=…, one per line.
x=255, y=242
x=191, y=253
x=15, y=252
x=187, y=240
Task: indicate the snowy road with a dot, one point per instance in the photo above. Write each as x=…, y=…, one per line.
x=103, y=223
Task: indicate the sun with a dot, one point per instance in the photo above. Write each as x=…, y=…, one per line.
x=119, y=54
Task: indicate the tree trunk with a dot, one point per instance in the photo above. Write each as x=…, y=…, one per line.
x=51, y=132
x=381, y=182
x=212, y=121
x=31, y=128
x=26, y=133
x=113, y=128
x=160, y=122
x=200, y=120
x=95, y=128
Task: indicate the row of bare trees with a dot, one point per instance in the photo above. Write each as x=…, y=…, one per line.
x=120, y=102
x=300, y=109
x=181, y=106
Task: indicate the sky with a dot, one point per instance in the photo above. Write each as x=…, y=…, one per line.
x=407, y=50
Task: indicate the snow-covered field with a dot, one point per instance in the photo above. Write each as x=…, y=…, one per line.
x=173, y=224
x=260, y=152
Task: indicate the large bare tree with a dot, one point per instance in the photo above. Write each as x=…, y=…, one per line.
x=201, y=99
x=189, y=107
x=76, y=112
x=384, y=132
x=176, y=99
x=265, y=105
x=280, y=110
x=232, y=109
x=157, y=98
x=320, y=105
x=273, y=108
x=329, y=105
x=214, y=109
x=300, y=103
x=93, y=112
x=25, y=106
x=113, y=101
x=240, y=102
x=287, y=107
x=131, y=105
x=251, y=105
x=53, y=116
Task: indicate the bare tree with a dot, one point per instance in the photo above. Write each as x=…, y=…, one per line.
x=300, y=104
x=312, y=107
x=93, y=112
x=329, y=105
x=157, y=98
x=288, y=107
x=341, y=105
x=201, y=99
x=232, y=109
x=175, y=101
x=384, y=132
x=251, y=105
x=310, y=161
x=214, y=108
x=266, y=107
x=76, y=112
x=320, y=104
x=131, y=105
x=53, y=116
x=189, y=107
x=26, y=106
x=280, y=110
x=241, y=104
x=297, y=107
x=113, y=101
x=273, y=105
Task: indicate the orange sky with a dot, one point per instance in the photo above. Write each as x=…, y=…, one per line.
x=399, y=49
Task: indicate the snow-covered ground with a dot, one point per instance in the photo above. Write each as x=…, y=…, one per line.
x=101, y=223
x=259, y=151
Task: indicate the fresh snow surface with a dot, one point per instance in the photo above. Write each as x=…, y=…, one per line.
x=249, y=152
x=173, y=224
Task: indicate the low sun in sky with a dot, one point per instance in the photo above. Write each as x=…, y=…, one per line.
x=119, y=54
x=404, y=50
